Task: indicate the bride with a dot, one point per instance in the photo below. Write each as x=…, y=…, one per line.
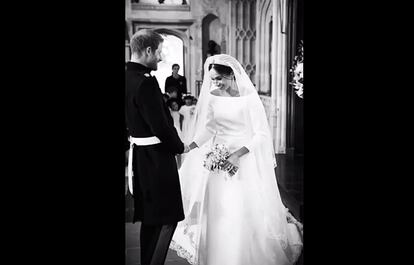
x=239, y=219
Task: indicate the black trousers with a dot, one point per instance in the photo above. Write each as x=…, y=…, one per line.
x=155, y=240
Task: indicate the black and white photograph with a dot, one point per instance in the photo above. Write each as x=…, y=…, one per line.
x=214, y=121
x=149, y=132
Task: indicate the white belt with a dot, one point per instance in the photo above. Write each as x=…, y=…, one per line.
x=140, y=142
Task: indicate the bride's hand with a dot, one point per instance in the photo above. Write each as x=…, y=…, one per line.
x=232, y=162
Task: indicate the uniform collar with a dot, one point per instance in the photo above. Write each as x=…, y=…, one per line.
x=138, y=67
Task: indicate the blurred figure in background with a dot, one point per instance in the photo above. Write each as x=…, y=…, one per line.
x=165, y=97
x=187, y=111
x=177, y=117
x=177, y=81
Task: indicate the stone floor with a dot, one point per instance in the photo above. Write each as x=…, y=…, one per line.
x=133, y=249
x=289, y=173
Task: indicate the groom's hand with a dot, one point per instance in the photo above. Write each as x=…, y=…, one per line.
x=186, y=149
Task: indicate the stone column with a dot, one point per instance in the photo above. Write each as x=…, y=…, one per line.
x=279, y=78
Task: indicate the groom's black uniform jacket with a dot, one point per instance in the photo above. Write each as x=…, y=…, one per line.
x=156, y=186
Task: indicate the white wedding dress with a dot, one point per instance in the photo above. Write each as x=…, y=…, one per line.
x=228, y=223
x=239, y=220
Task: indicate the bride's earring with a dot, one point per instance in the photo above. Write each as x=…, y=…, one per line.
x=233, y=86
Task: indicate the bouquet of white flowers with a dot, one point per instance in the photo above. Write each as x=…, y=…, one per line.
x=216, y=158
x=297, y=70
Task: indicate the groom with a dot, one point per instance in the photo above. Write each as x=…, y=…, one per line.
x=154, y=142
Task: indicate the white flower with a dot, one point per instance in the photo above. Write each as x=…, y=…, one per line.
x=299, y=92
x=297, y=70
x=216, y=157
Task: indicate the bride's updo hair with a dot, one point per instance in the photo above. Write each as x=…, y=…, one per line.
x=221, y=69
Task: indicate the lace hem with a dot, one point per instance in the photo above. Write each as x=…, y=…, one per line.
x=296, y=251
x=295, y=248
x=183, y=253
x=284, y=239
x=291, y=219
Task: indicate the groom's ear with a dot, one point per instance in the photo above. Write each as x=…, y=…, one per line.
x=148, y=50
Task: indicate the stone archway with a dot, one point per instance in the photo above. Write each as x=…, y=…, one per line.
x=211, y=32
x=185, y=41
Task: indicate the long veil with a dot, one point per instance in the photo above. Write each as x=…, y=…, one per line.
x=193, y=177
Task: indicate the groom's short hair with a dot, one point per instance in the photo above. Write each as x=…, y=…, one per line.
x=145, y=38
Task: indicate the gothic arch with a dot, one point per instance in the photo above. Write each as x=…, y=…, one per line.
x=271, y=69
x=205, y=25
x=263, y=77
x=186, y=43
x=178, y=33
